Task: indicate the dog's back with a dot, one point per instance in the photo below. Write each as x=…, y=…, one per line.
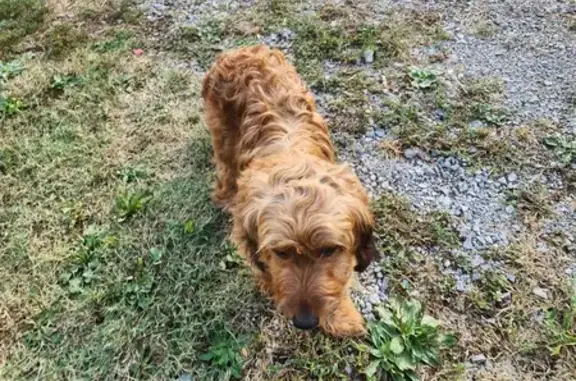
x=255, y=98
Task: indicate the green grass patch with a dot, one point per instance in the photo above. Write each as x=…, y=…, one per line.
x=563, y=146
x=18, y=19
x=400, y=227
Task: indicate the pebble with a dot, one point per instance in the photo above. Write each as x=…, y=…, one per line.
x=368, y=56
x=411, y=153
x=468, y=244
x=478, y=359
x=540, y=292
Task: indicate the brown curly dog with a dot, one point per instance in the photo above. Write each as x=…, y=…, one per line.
x=302, y=221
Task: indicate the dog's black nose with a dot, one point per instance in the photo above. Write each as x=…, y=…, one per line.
x=305, y=320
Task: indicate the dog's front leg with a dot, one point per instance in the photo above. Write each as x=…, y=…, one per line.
x=344, y=321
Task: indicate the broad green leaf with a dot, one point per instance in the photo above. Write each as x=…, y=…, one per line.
x=404, y=361
x=386, y=316
x=376, y=353
x=446, y=340
x=371, y=369
x=412, y=376
x=396, y=345
x=74, y=286
x=429, y=321
x=206, y=356
x=155, y=254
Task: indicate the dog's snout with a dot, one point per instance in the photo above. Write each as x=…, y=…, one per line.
x=305, y=320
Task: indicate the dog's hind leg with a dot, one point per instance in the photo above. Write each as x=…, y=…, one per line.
x=224, y=140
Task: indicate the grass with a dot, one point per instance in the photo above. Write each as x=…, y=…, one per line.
x=18, y=19
x=116, y=263
x=533, y=202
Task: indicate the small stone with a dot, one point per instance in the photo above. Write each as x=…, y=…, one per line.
x=368, y=56
x=513, y=177
x=460, y=286
x=475, y=124
x=374, y=299
x=411, y=153
x=506, y=298
x=447, y=263
x=478, y=359
x=540, y=292
x=468, y=244
x=185, y=377
x=511, y=278
x=439, y=114
x=509, y=209
x=477, y=260
x=445, y=202
x=380, y=133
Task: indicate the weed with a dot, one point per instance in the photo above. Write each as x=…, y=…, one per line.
x=63, y=81
x=422, y=79
x=131, y=174
x=10, y=106
x=225, y=355
x=488, y=113
x=10, y=69
x=561, y=326
x=563, y=147
x=129, y=203
x=403, y=339
x=86, y=262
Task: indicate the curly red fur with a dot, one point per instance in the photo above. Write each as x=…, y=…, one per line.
x=277, y=175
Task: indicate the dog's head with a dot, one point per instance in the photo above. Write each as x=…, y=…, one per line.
x=310, y=229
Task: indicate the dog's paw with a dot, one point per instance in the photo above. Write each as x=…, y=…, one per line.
x=345, y=321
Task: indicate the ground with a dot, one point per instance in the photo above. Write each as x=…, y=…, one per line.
x=459, y=118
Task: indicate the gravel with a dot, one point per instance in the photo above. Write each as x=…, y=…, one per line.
x=532, y=50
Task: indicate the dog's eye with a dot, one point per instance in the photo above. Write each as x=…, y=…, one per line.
x=282, y=254
x=327, y=251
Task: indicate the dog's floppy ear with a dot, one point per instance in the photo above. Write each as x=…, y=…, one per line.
x=252, y=247
x=366, y=250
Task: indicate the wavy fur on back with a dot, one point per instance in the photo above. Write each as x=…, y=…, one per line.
x=290, y=202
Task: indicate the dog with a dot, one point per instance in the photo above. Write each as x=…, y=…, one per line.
x=301, y=220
